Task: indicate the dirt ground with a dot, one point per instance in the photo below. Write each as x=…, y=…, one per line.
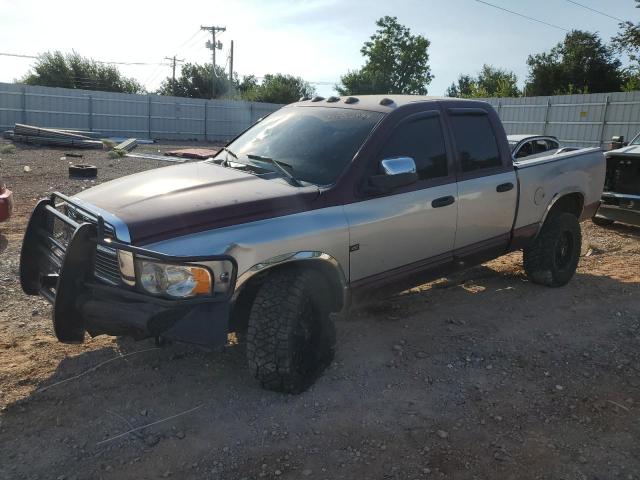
x=480, y=376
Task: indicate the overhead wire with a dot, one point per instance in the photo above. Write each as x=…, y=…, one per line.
x=523, y=15
x=596, y=11
x=18, y=55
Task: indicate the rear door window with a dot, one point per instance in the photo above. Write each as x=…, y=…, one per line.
x=476, y=142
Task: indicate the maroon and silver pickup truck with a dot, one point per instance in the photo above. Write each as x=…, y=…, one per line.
x=318, y=205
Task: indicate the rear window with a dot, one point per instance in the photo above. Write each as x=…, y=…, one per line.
x=477, y=145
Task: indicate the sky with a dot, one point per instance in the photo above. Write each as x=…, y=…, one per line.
x=318, y=40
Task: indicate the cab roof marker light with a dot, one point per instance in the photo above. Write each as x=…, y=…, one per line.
x=317, y=98
x=386, y=101
x=333, y=99
x=351, y=100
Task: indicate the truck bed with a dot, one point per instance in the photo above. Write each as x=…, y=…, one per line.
x=541, y=179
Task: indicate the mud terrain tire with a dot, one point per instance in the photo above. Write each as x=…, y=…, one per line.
x=553, y=257
x=291, y=337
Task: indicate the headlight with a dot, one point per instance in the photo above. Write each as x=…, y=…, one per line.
x=178, y=281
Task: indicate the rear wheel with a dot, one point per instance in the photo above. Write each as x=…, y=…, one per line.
x=553, y=257
x=602, y=222
x=291, y=337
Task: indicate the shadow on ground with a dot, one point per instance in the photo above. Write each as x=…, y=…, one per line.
x=486, y=376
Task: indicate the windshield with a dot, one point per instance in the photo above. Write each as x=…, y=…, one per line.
x=316, y=143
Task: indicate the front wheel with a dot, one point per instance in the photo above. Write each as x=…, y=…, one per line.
x=553, y=257
x=291, y=337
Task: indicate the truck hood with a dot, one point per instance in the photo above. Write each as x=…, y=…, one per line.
x=629, y=151
x=180, y=199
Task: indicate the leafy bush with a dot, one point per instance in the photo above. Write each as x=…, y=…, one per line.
x=8, y=148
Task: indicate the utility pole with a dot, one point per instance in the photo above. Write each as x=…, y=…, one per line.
x=231, y=67
x=213, y=46
x=173, y=60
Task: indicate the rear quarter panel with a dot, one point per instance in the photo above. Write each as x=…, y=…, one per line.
x=544, y=179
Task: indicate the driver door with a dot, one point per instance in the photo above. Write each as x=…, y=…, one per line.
x=412, y=226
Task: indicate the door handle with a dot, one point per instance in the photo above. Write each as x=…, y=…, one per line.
x=504, y=187
x=443, y=201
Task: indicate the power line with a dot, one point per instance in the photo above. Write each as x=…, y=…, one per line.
x=523, y=16
x=596, y=11
x=197, y=32
x=18, y=55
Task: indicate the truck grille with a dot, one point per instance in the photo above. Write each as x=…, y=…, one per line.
x=106, y=266
x=623, y=175
x=106, y=260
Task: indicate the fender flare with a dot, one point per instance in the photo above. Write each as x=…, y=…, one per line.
x=556, y=197
x=317, y=258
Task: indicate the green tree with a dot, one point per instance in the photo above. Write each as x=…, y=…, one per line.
x=579, y=64
x=55, y=69
x=275, y=88
x=195, y=82
x=628, y=41
x=490, y=82
x=396, y=62
x=247, y=85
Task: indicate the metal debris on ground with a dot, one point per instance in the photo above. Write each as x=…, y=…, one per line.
x=141, y=141
x=128, y=145
x=197, y=153
x=151, y=156
x=50, y=136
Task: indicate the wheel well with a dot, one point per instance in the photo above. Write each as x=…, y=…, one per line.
x=570, y=203
x=249, y=290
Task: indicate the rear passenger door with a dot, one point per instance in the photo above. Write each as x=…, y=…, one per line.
x=487, y=184
x=413, y=225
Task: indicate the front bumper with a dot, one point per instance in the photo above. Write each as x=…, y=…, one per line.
x=620, y=208
x=6, y=203
x=62, y=269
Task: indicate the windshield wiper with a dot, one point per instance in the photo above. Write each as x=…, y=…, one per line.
x=278, y=164
x=229, y=152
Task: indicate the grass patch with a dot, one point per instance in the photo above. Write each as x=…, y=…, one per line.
x=108, y=144
x=116, y=153
x=8, y=148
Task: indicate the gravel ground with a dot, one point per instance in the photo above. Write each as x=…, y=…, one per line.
x=479, y=376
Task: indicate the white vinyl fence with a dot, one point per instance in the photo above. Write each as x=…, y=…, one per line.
x=127, y=115
x=588, y=120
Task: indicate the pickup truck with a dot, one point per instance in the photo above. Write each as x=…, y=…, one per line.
x=321, y=205
x=621, y=196
x=525, y=145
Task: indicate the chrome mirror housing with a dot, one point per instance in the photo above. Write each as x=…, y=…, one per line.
x=398, y=165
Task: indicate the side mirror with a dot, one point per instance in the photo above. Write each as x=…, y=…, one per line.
x=396, y=172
